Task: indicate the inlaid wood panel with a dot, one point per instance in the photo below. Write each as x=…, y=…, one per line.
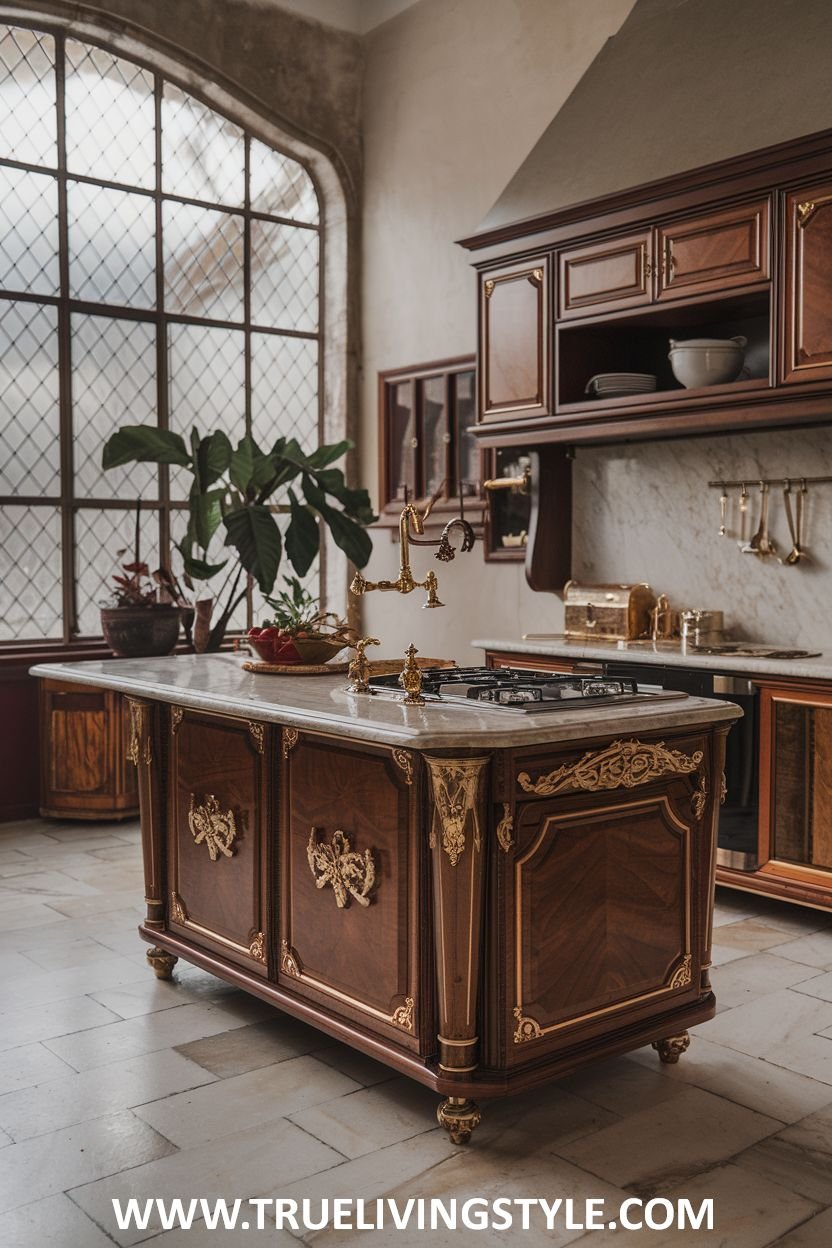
x=216, y=879
x=717, y=251
x=351, y=893
x=808, y=285
x=604, y=276
x=514, y=341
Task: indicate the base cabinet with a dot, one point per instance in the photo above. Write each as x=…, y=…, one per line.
x=85, y=772
x=481, y=921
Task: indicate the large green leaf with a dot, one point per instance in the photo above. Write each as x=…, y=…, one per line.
x=199, y=569
x=356, y=503
x=354, y=540
x=329, y=452
x=142, y=444
x=254, y=534
x=302, y=536
x=241, y=468
x=205, y=516
x=212, y=458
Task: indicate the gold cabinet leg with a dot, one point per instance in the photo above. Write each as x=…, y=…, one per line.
x=672, y=1047
x=459, y=1117
x=162, y=962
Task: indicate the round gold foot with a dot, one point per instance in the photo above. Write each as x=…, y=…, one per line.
x=459, y=1117
x=672, y=1047
x=162, y=962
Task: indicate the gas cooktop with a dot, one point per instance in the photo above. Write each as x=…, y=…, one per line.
x=513, y=689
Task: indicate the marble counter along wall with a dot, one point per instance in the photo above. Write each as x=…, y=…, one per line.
x=644, y=512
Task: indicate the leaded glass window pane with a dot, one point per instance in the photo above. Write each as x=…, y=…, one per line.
x=203, y=262
x=113, y=384
x=207, y=386
x=280, y=186
x=28, y=116
x=112, y=246
x=29, y=420
x=110, y=117
x=284, y=389
x=284, y=276
x=28, y=232
x=30, y=572
x=99, y=536
x=203, y=153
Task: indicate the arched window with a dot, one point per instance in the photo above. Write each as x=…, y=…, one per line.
x=159, y=263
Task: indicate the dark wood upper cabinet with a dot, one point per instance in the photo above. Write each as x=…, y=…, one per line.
x=713, y=252
x=514, y=340
x=725, y=251
x=807, y=336
x=604, y=276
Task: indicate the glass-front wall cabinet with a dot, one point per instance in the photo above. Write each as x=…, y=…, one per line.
x=508, y=509
x=425, y=412
x=796, y=764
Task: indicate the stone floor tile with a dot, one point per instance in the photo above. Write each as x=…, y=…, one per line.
x=260, y=1096
x=750, y=935
x=40, y=987
x=767, y=1022
x=75, y=1097
x=28, y=1065
x=720, y=954
x=22, y=919
x=124, y=1038
x=53, y=1222
x=52, y=1163
x=45, y=886
x=249, y=1048
x=251, y=1162
x=13, y=966
x=748, y=1211
x=660, y=1146
x=813, y=950
x=146, y=996
x=814, y=1233
x=756, y=976
x=25, y=1024
x=79, y=952
x=802, y=1170
x=358, y=1066
x=750, y=1081
x=807, y=1055
x=819, y=985
x=621, y=1085
x=371, y=1118
x=96, y=904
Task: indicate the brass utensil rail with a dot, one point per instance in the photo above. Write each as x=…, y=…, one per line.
x=752, y=480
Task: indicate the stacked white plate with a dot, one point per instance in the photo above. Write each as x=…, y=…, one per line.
x=618, y=385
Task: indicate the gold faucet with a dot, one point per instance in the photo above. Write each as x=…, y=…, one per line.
x=405, y=583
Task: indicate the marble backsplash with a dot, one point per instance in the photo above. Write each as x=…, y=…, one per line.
x=644, y=512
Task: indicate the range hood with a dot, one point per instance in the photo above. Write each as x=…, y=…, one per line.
x=683, y=83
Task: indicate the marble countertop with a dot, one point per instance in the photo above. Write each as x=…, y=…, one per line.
x=818, y=668
x=217, y=682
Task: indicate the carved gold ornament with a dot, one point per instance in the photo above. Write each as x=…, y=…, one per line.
x=290, y=740
x=404, y=759
x=289, y=964
x=805, y=212
x=723, y=790
x=455, y=784
x=505, y=829
x=215, y=827
x=700, y=796
x=178, y=909
x=488, y=287
x=527, y=1028
x=622, y=765
x=349, y=872
x=135, y=752
x=257, y=733
x=683, y=975
x=536, y=276
x=403, y=1016
x=257, y=947
x=176, y=716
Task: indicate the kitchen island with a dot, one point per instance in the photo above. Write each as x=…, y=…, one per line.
x=484, y=901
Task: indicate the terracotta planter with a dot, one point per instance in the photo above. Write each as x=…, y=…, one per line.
x=140, y=632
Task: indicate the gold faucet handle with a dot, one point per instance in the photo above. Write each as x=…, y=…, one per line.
x=411, y=679
x=359, y=668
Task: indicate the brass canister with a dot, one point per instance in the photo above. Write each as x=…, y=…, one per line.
x=614, y=612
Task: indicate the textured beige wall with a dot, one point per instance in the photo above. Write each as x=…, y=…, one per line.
x=456, y=94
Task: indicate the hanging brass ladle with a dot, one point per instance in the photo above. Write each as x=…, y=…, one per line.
x=795, y=521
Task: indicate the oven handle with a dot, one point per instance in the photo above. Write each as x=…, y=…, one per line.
x=736, y=685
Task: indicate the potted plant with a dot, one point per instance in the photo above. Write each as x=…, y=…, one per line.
x=137, y=623
x=298, y=631
x=236, y=490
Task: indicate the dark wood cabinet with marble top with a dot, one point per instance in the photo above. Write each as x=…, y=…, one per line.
x=482, y=904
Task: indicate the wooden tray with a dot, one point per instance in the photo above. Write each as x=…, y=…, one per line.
x=378, y=667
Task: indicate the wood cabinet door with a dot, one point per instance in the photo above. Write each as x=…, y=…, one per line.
x=604, y=895
x=515, y=341
x=604, y=276
x=713, y=252
x=807, y=286
x=216, y=877
x=351, y=920
x=84, y=766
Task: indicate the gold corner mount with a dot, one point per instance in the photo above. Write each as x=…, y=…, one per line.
x=682, y=975
x=257, y=732
x=505, y=829
x=257, y=947
x=403, y=1016
x=455, y=783
x=488, y=287
x=178, y=909
x=404, y=760
x=527, y=1028
x=350, y=873
x=805, y=211
x=289, y=963
x=290, y=740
